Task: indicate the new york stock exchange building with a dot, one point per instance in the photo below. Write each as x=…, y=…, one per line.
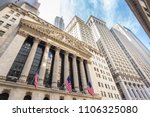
x=30, y=46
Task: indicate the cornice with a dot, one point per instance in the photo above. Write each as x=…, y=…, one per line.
x=53, y=35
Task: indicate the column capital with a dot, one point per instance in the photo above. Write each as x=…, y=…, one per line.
x=74, y=56
x=48, y=45
x=36, y=40
x=57, y=49
x=66, y=53
x=81, y=59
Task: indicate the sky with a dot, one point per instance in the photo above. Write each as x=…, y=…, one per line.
x=110, y=11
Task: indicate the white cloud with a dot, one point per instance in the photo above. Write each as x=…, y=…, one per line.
x=49, y=10
x=67, y=10
x=109, y=9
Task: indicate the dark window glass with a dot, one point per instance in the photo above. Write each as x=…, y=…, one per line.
x=4, y=96
x=16, y=69
x=49, y=68
x=27, y=97
x=36, y=63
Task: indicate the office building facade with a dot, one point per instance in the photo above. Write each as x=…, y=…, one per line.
x=127, y=80
x=136, y=52
x=102, y=79
x=141, y=9
x=59, y=23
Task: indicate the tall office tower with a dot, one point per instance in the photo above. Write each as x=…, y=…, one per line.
x=141, y=9
x=127, y=80
x=101, y=79
x=80, y=30
x=32, y=6
x=59, y=23
x=136, y=52
x=29, y=47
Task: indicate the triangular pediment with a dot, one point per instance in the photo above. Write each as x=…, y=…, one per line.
x=56, y=34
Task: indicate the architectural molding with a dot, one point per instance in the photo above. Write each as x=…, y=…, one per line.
x=55, y=36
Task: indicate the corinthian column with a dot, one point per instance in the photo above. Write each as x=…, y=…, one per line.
x=83, y=76
x=55, y=69
x=66, y=67
x=75, y=74
x=43, y=65
x=29, y=61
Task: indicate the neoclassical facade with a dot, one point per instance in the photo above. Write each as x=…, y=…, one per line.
x=30, y=46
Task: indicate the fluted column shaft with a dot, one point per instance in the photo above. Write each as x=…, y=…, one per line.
x=135, y=92
x=124, y=88
x=144, y=92
x=75, y=74
x=133, y=97
x=43, y=65
x=66, y=67
x=27, y=66
x=83, y=76
x=138, y=90
x=55, y=69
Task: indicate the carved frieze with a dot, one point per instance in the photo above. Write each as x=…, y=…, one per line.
x=41, y=30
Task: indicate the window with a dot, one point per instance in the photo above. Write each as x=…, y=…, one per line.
x=27, y=97
x=36, y=63
x=17, y=14
x=6, y=16
x=16, y=68
x=11, y=11
x=4, y=96
x=7, y=26
x=1, y=22
x=46, y=98
x=13, y=20
x=61, y=98
x=1, y=33
x=99, y=84
x=74, y=99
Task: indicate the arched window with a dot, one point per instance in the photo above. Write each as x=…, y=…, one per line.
x=4, y=96
x=1, y=33
x=46, y=98
x=27, y=97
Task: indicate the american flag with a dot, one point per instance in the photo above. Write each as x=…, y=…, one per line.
x=68, y=84
x=90, y=89
x=36, y=77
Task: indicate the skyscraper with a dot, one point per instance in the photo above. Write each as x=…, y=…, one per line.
x=127, y=80
x=59, y=22
x=141, y=9
x=101, y=79
x=78, y=28
x=136, y=52
x=32, y=6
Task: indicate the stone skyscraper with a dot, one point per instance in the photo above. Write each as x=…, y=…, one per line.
x=141, y=9
x=127, y=80
x=102, y=79
x=59, y=23
x=136, y=52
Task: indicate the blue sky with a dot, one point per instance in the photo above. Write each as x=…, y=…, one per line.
x=111, y=11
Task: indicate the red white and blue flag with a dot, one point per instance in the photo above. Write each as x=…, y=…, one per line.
x=36, y=77
x=90, y=89
x=68, y=84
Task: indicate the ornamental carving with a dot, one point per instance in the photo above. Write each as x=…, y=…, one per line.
x=57, y=35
